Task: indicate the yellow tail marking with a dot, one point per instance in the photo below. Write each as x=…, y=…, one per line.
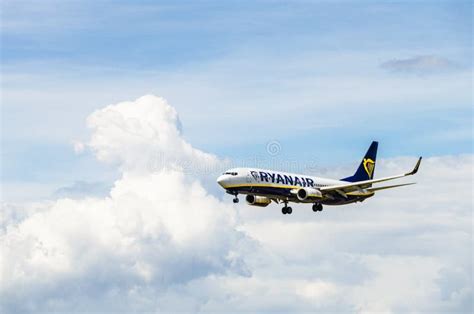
x=369, y=166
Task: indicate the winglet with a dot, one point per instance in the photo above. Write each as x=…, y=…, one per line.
x=415, y=170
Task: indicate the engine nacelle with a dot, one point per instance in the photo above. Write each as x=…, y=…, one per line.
x=255, y=200
x=307, y=194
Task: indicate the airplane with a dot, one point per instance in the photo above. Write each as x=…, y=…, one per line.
x=261, y=186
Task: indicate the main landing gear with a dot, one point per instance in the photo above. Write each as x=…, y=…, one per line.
x=286, y=209
x=317, y=207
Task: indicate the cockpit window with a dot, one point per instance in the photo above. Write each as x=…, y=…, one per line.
x=231, y=173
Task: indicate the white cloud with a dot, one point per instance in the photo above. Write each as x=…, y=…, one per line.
x=158, y=227
x=160, y=242
x=143, y=135
x=154, y=230
x=392, y=253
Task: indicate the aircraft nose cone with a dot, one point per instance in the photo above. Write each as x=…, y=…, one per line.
x=220, y=181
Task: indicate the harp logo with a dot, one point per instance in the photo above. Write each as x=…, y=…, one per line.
x=369, y=166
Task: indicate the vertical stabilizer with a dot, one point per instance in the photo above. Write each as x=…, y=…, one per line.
x=367, y=166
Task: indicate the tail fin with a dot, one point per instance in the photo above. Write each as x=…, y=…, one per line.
x=367, y=166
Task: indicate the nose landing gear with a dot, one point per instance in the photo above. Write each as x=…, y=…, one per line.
x=236, y=199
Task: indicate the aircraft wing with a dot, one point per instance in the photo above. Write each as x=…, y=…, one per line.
x=342, y=188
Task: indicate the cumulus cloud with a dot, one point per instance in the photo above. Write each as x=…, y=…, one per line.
x=152, y=231
x=144, y=135
x=159, y=242
x=156, y=228
x=428, y=64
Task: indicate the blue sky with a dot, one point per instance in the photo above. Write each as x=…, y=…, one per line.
x=309, y=74
x=135, y=232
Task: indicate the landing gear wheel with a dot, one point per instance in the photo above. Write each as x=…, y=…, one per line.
x=317, y=207
x=289, y=210
x=284, y=210
x=235, y=200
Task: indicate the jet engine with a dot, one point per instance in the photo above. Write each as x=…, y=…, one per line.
x=255, y=200
x=307, y=194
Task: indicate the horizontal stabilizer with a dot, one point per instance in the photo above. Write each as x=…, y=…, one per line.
x=388, y=187
x=368, y=183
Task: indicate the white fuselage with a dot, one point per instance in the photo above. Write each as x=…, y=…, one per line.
x=284, y=186
x=246, y=177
